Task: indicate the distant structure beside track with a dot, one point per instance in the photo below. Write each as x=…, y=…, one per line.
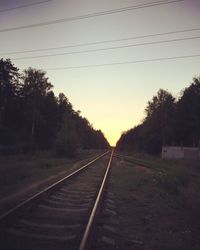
x=188, y=153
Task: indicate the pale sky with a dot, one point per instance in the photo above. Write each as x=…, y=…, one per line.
x=111, y=97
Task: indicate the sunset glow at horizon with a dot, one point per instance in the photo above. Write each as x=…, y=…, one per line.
x=112, y=96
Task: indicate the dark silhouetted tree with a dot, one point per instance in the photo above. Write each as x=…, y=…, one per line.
x=32, y=117
x=9, y=105
x=156, y=130
x=188, y=116
x=167, y=122
x=35, y=93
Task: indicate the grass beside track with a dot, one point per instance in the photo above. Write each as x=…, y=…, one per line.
x=171, y=175
x=158, y=203
x=19, y=172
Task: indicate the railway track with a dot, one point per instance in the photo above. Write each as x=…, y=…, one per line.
x=64, y=215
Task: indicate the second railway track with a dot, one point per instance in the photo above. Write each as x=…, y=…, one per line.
x=60, y=217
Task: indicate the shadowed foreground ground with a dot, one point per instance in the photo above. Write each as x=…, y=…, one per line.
x=158, y=208
x=157, y=203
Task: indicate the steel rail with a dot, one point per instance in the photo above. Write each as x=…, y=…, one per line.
x=7, y=216
x=136, y=161
x=86, y=239
x=132, y=160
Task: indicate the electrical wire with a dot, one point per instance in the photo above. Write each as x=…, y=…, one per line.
x=128, y=62
x=25, y=5
x=108, y=48
x=91, y=15
x=100, y=42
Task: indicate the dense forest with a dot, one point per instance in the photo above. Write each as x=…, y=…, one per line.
x=167, y=122
x=33, y=118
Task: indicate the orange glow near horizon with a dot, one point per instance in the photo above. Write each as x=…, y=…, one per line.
x=112, y=129
x=112, y=139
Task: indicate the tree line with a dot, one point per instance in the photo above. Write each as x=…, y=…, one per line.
x=33, y=118
x=168, y=121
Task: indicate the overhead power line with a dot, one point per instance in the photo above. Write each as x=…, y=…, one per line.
x=128, y=62
x=24, y=6
x=90, y=15
x=108, y=48
x=100, y=42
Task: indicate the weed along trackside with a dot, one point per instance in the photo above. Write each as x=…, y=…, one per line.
x=158, y=203
x=24, y=175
